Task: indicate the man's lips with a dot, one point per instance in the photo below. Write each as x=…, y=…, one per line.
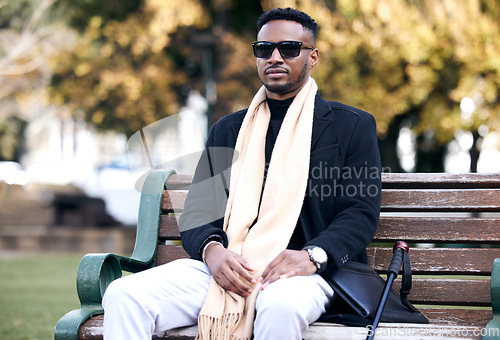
x=275, y=72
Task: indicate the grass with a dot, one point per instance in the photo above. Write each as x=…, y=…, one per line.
x=35, y=292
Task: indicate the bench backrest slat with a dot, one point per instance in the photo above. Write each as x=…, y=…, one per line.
x=173, y=201
x=439, y=261
x=168, y=253
x=439, y=229
x=450, y=292
x=439, y=180
x=446, y=200
x=436, y=261
x=169, y=228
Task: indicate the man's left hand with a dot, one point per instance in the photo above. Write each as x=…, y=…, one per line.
x=288, y=263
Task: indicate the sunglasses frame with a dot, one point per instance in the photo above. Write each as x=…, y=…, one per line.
x=278, y=45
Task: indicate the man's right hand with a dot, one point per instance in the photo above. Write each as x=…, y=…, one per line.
x=224, y=265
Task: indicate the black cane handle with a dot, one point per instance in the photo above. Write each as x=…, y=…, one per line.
x=401, y=245
x=397, y=257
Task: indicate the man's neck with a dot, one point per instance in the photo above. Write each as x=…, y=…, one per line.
x=279, y=108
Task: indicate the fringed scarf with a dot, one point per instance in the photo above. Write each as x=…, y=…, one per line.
x=226, y=315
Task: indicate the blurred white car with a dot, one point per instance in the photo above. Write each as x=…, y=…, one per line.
x=13, y=173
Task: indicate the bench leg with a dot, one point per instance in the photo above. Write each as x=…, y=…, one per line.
x=68, y=326
x=95, y=273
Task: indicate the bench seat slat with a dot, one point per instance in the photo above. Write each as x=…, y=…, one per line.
x=92, y=329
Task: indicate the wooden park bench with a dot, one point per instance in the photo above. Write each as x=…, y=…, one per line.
x=450, y=221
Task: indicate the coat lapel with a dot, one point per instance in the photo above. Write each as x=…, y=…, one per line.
x=322, y=119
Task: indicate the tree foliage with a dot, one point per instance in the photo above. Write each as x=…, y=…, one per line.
x=394, y=57
x=30, y=34
x=123, y=75
x=413, y=61
x=134, y=64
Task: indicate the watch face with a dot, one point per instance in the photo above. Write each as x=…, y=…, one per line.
x=319, y=255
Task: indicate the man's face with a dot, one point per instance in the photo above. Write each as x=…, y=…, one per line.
x=284, y=77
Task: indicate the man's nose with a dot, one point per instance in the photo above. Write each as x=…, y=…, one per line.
x=275, y=56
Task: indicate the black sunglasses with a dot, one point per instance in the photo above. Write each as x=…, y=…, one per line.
x=287, y=49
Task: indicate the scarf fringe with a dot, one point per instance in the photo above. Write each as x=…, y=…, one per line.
x=219, y=328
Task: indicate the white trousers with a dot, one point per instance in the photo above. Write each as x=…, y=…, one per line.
x=170, y=296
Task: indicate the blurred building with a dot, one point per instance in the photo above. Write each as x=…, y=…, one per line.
x=61, y=151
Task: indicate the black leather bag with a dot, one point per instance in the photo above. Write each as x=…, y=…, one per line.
x=358, y=290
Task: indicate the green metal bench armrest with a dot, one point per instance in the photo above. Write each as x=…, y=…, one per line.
x=492, y=330
x=97, y=271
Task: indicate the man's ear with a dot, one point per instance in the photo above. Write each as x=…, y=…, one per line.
x=313, y=58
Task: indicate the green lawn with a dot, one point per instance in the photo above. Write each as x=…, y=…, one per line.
x=35, y=292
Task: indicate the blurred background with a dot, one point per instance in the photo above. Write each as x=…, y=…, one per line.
x=87, y=87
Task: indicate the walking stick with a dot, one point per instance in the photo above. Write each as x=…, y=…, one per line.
x=392, y=273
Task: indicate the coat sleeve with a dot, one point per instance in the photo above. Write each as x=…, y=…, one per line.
x=203, y=215
x=356, y=203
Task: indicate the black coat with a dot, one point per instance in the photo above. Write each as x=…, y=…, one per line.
x=342, y=203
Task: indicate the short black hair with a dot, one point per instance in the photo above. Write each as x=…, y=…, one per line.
x=290, y=14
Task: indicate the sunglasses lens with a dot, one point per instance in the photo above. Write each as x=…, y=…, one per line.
x=263, y=49
x=289, y=49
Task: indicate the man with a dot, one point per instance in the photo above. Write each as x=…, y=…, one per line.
x=303, y=198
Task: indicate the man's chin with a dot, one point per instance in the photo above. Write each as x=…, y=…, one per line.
x=279, y=88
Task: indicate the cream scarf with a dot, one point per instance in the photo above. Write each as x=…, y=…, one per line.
x=226, y=315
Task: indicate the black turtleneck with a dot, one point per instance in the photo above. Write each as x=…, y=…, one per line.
x=278, y=110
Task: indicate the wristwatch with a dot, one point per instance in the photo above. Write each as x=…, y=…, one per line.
x=318, y=256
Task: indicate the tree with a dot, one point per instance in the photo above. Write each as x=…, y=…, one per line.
x=405, y=61
x=413, y=59
x=125, y=74
x=29, y=35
